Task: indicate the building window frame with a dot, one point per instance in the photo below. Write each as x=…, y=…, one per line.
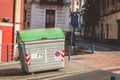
x=113, y=2
x=25, y=1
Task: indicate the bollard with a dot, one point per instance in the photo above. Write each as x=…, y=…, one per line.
x=113, y=78
x=7, y=55
x=69, y=53
x=93, y=47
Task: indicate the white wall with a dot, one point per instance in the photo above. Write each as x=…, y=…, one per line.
x=38, y=14
x=37, y=17
x=63, y=18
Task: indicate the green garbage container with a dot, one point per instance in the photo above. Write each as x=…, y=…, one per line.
x=41, y=49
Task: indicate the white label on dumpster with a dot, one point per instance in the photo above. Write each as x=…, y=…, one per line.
x=37, y=55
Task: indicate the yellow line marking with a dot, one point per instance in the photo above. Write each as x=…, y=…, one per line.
x=66, y=75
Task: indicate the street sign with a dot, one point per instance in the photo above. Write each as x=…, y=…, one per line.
x=74, y=20
x=74, y=23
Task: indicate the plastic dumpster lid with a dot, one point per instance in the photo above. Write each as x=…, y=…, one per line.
x=37, y=34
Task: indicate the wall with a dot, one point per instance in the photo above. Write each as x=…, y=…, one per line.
x=109, y=14
x=7, y=10
x=38, y=16
x=0, y=43
x=111, y=20
x=6, y=39
x=74, y=5
x=6, y=6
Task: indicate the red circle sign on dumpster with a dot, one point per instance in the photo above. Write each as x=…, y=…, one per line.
x=57, y=55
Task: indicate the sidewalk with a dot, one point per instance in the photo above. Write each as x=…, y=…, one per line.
x=12, y=70
x=79, y=63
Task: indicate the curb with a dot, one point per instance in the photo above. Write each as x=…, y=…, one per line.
x=9, y=63
x=107, y=68
x=60, y=74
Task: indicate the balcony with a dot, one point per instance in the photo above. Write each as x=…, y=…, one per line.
x=54, y=2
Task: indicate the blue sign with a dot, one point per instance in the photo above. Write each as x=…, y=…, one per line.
x=57, y=53
x=74, y=20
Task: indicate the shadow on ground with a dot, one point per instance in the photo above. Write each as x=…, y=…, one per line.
x=18, y=72
x=11, y=72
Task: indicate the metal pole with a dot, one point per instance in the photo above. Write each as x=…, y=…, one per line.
x=73, y=37
x=7, y=53
x=93, y=47
x=69, y=53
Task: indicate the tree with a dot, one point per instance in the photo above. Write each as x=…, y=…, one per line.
x=91, y=15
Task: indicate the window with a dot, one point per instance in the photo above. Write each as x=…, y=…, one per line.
x=118, y=29
x=77, y=3
x=103, y=5
x=25, y=1
x=107, y=3
x=50, y=18
x=77, y=9
x=101, y=32
x=113, y=2
x=107, y=31
x=25, y=15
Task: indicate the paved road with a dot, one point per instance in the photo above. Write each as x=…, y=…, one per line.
x=94, y=75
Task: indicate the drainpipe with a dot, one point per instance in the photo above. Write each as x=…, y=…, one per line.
x=14, y=7
x=13, y=29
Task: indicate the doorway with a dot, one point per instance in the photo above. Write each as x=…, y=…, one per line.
x=107, y=31
x=118, y=29
x=50, y=19
x=102, y=33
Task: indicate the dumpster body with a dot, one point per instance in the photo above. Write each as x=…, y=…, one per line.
x=41, y=50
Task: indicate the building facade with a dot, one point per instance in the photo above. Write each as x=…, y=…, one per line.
x=76, y=5
x=108, y=28
x=47, y=14
x=11, y=18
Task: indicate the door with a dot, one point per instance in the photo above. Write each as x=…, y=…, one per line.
x=0, y=44
x=118, y=29
x=102, y=32
x=107, y=31
x=50, y=19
